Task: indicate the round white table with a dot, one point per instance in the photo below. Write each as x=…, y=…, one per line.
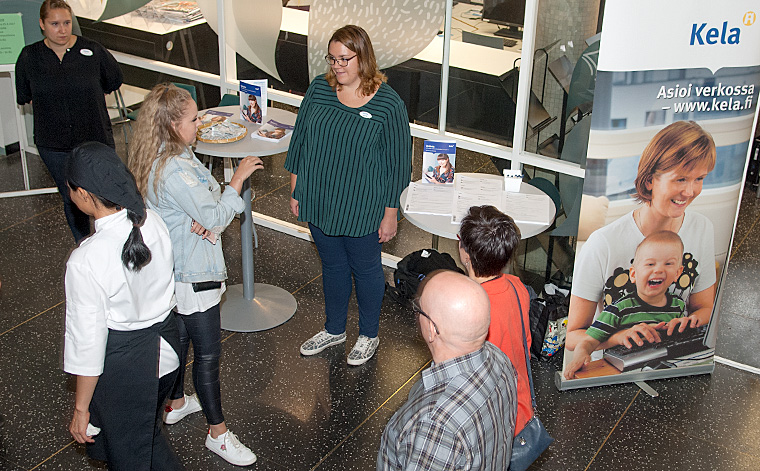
x=441, y=226
x=252, y=307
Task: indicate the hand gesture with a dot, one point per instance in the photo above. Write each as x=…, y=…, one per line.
x=580, y=360
x=196, y=228
x=680, y=324
x=248, y=165
x=638, y=334
x=78, y=427
x=388, y=227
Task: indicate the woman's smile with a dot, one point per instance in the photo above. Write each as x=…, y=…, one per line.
x=674, y=190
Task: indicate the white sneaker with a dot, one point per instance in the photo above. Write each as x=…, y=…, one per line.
x=363, y=350
x=192, y=405
x=229, y=447
x=321, y=341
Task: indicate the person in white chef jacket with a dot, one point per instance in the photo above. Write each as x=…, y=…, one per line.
x=121, y=339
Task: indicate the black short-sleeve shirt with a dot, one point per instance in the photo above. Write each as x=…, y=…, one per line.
x=68, y=95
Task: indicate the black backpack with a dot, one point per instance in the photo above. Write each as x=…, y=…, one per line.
x=412, y=269
x=551, y=308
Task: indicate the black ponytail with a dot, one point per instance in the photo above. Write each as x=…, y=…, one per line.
x=135, y=253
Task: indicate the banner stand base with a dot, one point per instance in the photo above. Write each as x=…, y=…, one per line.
x=568, y=384
x=646, y=388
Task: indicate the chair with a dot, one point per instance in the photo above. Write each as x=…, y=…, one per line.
x=229, y=99
x=122, y=118
x=132, y=115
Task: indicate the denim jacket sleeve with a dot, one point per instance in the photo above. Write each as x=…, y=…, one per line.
x=195, y=197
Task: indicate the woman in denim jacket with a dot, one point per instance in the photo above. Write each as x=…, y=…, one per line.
x=190, y=201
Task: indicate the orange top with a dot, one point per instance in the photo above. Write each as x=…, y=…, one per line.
x=505, y=332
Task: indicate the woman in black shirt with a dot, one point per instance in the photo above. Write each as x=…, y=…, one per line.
x=66, y=77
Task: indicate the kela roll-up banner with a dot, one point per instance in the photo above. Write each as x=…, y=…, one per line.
x=674, y=110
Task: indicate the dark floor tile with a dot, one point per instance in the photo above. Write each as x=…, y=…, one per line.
x=14, y=211
x=273, y=261
x=359, y=450
x=735, y=335
x=9, y=466
x=32, y=266
x=654, y=446
x=71, y=457
x=578, y=420
x=736, y=297
x=189, y=444
x=12, y=175
x=36, y=396
x=293, y=409
x=703, y=418
x=749, y=212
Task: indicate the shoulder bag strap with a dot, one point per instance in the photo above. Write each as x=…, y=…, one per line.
x=525, y=345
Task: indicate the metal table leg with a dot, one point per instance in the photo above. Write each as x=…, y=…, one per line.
x=251, y=307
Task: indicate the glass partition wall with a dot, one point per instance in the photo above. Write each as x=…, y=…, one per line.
x=507, y=105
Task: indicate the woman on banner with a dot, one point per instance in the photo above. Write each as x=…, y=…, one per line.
x=350, y=159
x=66, y=78
x=671, y=171
x=121, y=337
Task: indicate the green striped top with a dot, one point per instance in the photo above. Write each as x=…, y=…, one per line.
x=631, y=310
x=351, y=163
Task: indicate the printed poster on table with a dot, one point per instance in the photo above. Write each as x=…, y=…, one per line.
x=253, y=100
x=438, y=161
x=671, y=129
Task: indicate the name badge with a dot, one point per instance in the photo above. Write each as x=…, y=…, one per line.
x=85, y=52
x=365, y=114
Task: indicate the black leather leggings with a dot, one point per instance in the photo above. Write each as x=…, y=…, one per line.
x=204, y=330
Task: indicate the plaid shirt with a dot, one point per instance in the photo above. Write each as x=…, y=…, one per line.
x=461, y=416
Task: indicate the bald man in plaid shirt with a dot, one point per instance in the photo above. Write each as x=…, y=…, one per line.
x=461, y=414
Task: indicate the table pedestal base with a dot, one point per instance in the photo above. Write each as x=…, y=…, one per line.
x=270, y=307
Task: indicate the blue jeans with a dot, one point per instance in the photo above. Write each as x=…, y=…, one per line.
x=204, y=330
x=343, y=257
x=55, y=161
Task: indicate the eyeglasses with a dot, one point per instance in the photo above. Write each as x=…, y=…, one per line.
x=418, y=310
x=341, y=61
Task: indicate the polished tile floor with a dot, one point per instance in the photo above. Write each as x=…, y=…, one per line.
x=317, y=413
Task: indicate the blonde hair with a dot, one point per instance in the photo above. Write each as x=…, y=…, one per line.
x=357, y=40
x=155, y=136
x=659, y=238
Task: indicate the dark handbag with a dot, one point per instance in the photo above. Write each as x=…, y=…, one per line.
x=533, y=439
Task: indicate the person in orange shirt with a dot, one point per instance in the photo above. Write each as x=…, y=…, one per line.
x=487, y=240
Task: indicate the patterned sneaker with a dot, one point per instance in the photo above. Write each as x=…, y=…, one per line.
x=363, y=350
x=229, y=447
x=321, y=341
x=192, y=405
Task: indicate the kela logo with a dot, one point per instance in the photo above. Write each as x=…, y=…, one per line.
x=702, y=34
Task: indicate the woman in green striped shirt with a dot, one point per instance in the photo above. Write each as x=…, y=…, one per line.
x=350, y=159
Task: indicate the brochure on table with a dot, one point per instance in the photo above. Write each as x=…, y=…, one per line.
x=472, y=190
x=253, y=100
x=272, y=131
x=438, y=161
